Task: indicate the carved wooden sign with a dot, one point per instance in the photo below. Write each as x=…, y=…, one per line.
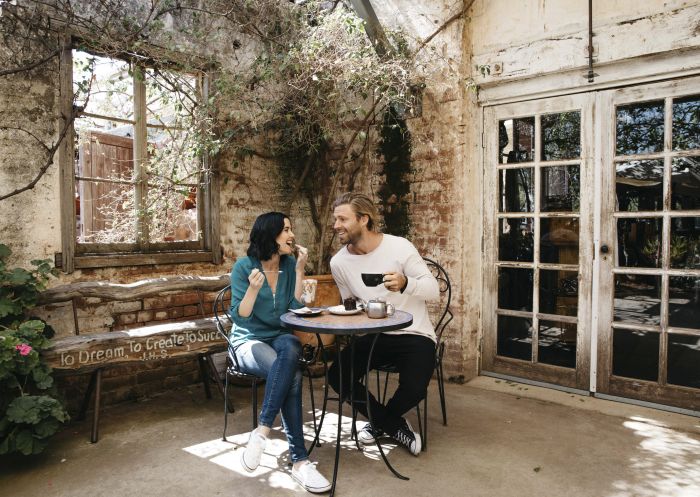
x=91, y=351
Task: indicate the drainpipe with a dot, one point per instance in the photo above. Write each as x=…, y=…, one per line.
x=590, y=74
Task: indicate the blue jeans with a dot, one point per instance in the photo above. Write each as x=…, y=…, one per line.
x=278, y=362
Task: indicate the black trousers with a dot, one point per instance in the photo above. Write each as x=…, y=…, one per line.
x=414, y=358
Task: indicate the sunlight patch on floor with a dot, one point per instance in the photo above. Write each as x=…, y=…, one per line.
x=668, y=462
x=273, y=470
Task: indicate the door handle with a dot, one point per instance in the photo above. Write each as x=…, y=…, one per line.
x=604, y=249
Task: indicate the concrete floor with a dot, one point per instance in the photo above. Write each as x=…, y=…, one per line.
x=503, y=439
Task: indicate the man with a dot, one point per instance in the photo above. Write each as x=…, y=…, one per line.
x=407, y=284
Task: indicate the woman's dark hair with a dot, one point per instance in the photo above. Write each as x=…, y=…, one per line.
x=266, y=229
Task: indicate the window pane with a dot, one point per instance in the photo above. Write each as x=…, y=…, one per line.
x=561, y=136
x=640, y=128
x=686, y=123
x=684, y=360
x=173, y=179
x=561, y=187
x=516, y=190
x=107, y=82
x=105, y=212
x=639, y=185
x=516, y=140
x=684, y=302
x=104, y=188
x=515, y=239
x=685, y=183
x=559, y=240
x=637, y=299
x=636, y=354
x=639, y=242
x=171, y=98
x=556, y=344
x=685, y=242
x=514, y=337
x=515, y=288
x=559, y=292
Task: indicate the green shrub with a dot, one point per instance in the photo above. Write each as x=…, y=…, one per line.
x=29, y=412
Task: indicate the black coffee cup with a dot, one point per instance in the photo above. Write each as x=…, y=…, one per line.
x=372, y=279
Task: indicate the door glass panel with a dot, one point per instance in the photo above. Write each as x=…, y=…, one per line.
x=685, y=242
x=561, y=136
x=559, y=292
x=636, y=354
x=516, y=140
x=559, y=240
x=516, y=190
x=683, y=360
x=685, y=183
x=684, y=302
x=640, y=128
x=556, y=343
x=561, y=186
x=515, y=288
x=515, y=239
x=514, y=337
x=637, y=299
x=639, y=185
x=686, y=123
x=639, y=242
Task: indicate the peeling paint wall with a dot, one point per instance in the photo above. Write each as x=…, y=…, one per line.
x=535, y=37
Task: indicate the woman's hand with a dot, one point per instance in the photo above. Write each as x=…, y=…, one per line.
x=256, y=279
x=302, y=257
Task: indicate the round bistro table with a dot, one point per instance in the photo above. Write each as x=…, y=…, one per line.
x=351, y=326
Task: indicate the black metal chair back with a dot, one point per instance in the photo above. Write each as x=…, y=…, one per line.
x=223, y=325
x=445, y=317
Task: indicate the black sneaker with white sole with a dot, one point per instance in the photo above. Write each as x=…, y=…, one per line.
x=408, y=438
x=369, y=434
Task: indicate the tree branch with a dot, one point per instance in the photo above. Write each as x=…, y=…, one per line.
x=29, y=67
x=51, y=152
x=444, y=26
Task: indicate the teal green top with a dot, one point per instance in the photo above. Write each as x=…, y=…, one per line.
x=264, y=322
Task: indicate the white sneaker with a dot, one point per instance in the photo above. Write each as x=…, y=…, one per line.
x=308, y=477
x=250, y=458
x=369, y=434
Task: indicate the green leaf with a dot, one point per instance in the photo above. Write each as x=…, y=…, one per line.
x=19, y=276
x=4, y=251
x=7, y=307
x=24, y=409
x=27, y=444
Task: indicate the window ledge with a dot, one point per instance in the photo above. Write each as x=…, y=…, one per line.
x=140, y=259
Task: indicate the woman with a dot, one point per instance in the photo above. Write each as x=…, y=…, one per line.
x=263, y=286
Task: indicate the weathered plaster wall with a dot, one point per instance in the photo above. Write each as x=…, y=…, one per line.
x=534, y=37
x=29, y=222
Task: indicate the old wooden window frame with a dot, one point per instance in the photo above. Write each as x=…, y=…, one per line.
x=92, y=255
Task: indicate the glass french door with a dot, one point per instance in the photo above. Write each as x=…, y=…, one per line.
x=648, y=332
x=592, y=242
x=538, y=240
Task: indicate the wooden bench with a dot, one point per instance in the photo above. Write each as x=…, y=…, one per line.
x=93, y=352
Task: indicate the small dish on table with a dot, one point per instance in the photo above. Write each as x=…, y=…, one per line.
x=308, y=311
x=340, y=310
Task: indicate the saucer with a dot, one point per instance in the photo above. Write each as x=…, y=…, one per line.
x=308, y=311
x=340, y=310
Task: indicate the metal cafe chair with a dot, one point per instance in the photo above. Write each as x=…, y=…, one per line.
x=232, y=369
x=445, y=317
